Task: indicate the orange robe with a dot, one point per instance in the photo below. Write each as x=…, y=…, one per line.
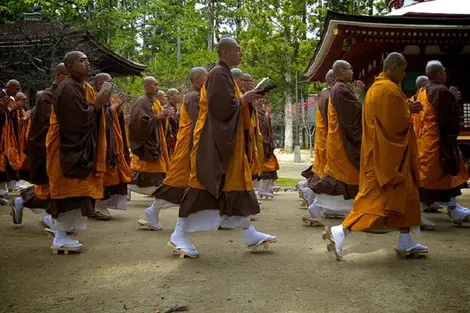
x=321, y=131
x=257, y=153
x=219, y=140
x=9, y=147
x=73, y=102
x=270, y=165
x=442, y=169
x=388, y=194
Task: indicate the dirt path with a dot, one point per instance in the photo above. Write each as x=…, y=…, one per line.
x=126, y=270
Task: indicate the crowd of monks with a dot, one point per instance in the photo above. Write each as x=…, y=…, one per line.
x=81, y=157
x=378, y=163
x=382, y=162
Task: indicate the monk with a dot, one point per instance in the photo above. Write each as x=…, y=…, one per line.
x=388, y=194
x=37, y=196
x=269, y=164
x=9, y=154
x=245, y=82
x=171, y=192
x=150, y=158
x=443, y=172
x=220, y=184
x=237, y=75
x=118, y=170
x=317, y=170
x=174, y=99
x=22, y=120
x=161, y=97
x=340, y=181
x=76, y=152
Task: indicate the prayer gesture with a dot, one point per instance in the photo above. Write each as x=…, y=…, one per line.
x=456, y=93
x=118, y=101
x=251, y=96
x=163, y=114
x=415, y=106
x=102, y=98
x=358, y=87
x=27, y=114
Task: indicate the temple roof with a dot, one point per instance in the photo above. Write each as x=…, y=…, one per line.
x=434, y=8
x=351, y=37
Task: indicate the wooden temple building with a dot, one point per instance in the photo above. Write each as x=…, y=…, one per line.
x=422, y=30
x=31, y=48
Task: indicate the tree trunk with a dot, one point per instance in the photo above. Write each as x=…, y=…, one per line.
x=210, y=30
x=288, y=135
x=178, y=50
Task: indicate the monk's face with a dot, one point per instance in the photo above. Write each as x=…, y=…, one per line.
x=347, y=73
x=20, y=103
x=161, y=98
x=13, y=89
x=200, y=79
x=151, y=87
x=175, y=98
x=399, y=72
x=247, y=83
x=442, y=75
x=80, y=66
x=233, y=55
x=100, y=82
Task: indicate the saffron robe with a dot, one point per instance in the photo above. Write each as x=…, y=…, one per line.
x=343, y=144
x=150, y=159
x=76, y=149
x=176, y=181
x=9, y=146
x=388, y=194
x=442, y=170
x=256, y=154
x=220, y=176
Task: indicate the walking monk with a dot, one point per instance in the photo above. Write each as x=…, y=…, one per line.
x=76, y=152
x=316, y=172
x=339, y=185
x=388, y=194
x=9, y=150
x=220, y=184
x=150, y=159
x=171, y=192
x=118, y=170
x=36, y=197
x=442, y=170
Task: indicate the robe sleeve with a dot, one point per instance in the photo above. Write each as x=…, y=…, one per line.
x=191, y=103
x=144, y=137
x=393, y=134
x=323, y=104
x=349, y=112
x=37, y=138
x=448, y=114
x=78, y=130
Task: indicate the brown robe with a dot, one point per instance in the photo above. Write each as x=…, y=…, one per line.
x=345, y=149
x=147, y=143
x=269, y=145
x=76, y=132
x=219, y=153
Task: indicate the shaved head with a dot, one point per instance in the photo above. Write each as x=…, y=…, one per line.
x=77, y=64
x=13, y=87
x=172, y=92
x=197, y=76
x=421, y=81
x=13, y=83
x=161, y=97
x=394, y=67
x=20, y=96
x=161, y=93
x=225, y=44
x=330, y=77
x=246, y=76
x=105, y=77
x=436, y=71
x=236, y=73
x=343, y=71
x=151, y=86
x=229, y=52
x=394, y=58
x=60, y=68
x=195, y=71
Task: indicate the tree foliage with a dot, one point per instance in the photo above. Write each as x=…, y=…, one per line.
x=171, y=36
